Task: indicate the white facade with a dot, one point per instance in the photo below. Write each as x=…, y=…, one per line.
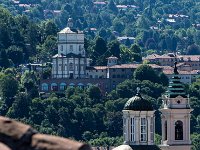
x=138, y=127
x=71, y=60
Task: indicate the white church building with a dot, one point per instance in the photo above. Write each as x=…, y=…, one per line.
x=71, y=60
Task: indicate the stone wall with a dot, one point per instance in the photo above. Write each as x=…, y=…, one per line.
x=17, y=136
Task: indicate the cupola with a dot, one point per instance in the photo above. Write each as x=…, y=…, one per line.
x=137, y=103
x=138, y=121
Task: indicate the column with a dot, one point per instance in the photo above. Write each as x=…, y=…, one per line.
x=163, y=128
x=170, y=129
x=128, y=129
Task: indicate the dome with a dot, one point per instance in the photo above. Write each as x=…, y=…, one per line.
x=137, y=103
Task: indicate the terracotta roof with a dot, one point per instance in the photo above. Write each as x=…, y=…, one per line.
x=193, y=72
x=152, y=56
x=134, y=66
x=191, y=57
x=167, y=68
x=179, y=57
x=180, y=64
x=100, y=3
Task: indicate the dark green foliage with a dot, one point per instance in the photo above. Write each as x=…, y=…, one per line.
x=146, y=72
x=193, y=50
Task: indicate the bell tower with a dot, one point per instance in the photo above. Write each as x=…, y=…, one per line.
x=175, y=116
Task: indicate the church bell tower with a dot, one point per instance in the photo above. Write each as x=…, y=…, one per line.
x=175, y=116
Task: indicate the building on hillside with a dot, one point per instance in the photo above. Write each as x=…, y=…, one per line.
x=139, y=121
x=126, y=40
x=186, y=77
x=170, y=58
x=71, y=66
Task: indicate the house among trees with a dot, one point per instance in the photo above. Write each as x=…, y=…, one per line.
x=72, y=68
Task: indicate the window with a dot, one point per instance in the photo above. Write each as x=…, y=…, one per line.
x=81, y=85
x=179, y=130
x=132, y=130
x=113, y=70
x=89, y=85
x=63, y=86
x=79, y=47
x=143, y=136
x=54, y=87
x=45, y=87
x=71, y=85
x=60, y=67
x=61, y=47
x=71, y=48
x=71, y=67
x=152, y=129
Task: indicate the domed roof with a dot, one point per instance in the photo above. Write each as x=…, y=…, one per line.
x=137, y=103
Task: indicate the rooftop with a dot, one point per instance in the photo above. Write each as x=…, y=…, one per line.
x=69, y=30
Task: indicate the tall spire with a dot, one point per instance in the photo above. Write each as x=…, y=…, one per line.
x=176, y=87
x=175, y=68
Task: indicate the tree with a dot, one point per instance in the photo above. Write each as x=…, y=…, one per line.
x=9, y=86
x=29, y=82
x=94, y=93
x=146, y=72
x=15, y=54
x=112, y=6
x=20, y=107
x=135, y=49
x=114, y=48
x=4, y=62
x=99, y=51
x=193, y=50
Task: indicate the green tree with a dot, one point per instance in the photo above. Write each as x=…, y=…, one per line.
x=146, y=72
x=193, y=50
x=20, y=107
x=112, y=6
x=4, y=62
x=94, y=93
x=15, y=54
x=114, y=48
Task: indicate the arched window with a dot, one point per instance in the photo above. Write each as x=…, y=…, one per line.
x=63, y=86
x=89, y=85
x=179, y=130
x=81, y=85
x=54, y=87
x=165, y=130
x=71, y=85
x=45, y=87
